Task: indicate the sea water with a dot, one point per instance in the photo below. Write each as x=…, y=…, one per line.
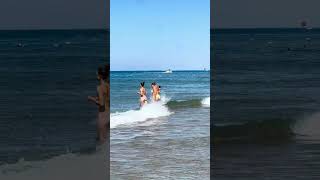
x=163, y=140
x=47, y=125
x=266, y=86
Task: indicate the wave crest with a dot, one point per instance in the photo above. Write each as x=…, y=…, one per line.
x=206, y=102
x=308, y=127
x=270, y=130
x=155, y=110
x=193, y=103
x=148, y=111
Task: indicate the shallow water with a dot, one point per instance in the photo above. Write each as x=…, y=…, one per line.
x=174, y=145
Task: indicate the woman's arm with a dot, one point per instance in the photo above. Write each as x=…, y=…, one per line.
x=93, y=99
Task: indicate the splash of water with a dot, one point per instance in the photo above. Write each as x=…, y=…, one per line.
x=206, y=102
x=309, y=127
x=149, y=111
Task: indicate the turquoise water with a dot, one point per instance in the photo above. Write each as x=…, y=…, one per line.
x=165, y=140
x=181, y=85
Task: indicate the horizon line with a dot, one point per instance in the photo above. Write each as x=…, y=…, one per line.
x=54, y=29
x=162, y=70
x=211, y=28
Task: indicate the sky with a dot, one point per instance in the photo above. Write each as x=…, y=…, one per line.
x=264, y=13
x=54, y=14
x=159, y=34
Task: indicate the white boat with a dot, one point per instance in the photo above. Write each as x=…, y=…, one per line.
x=168, y=71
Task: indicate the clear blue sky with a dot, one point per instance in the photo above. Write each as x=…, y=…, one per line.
x=159, y=34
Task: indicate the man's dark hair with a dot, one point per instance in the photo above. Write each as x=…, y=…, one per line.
x=142, y=84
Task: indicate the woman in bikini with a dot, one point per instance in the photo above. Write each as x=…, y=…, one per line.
x=100, y=101
x=143, y=95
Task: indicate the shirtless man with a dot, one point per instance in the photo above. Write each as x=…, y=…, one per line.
x=155, y=92
x=158, y=93
x=100, y=101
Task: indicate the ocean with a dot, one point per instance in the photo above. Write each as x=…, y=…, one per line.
x=46, y=122
x=165, y=140
x=265, y=95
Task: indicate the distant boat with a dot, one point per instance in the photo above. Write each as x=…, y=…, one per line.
x=168, y=71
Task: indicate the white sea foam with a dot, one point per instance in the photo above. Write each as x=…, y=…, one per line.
x=206, y=102
x=149, y=111
x=68, y=166
x=309, y=127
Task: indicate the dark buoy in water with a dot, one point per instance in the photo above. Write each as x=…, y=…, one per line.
x=303, y=24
